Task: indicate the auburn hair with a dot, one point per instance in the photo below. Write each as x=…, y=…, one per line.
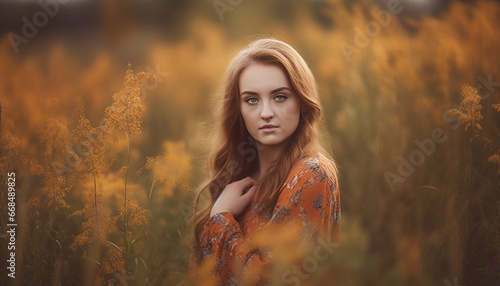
x=235, y=153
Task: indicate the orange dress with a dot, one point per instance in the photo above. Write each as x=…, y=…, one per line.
x=309, y=201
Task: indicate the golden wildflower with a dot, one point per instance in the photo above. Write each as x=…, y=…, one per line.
x=158, y=173
x=495, y=158
x=125, y=115
x=114, y=264
x=91, y=146
x=172, y=169
x=54, y=135
x=126, y=111
x=51, y=195
x=10, y=147
x=469, y=110
x=54, y=139
x=137, y=222
x=96, y=225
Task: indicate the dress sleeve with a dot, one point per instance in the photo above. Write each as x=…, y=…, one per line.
x=223, y=246
x=310, y=200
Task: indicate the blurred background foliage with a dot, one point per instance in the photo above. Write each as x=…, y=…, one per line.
x=438, y=225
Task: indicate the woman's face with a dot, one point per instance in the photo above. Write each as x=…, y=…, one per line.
x=269, y=107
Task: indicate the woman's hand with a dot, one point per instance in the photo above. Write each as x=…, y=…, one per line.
x=233, y=198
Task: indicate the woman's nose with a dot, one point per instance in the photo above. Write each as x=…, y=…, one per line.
x=267, y=111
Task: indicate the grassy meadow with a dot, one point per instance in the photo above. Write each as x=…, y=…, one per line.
x=105, y=126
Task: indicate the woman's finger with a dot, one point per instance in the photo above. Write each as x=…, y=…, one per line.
x=246, y=183
x=249, y=194
x=248, y=179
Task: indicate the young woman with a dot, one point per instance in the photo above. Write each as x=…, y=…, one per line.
x=268, y=170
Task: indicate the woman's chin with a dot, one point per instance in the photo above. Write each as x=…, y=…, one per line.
x=270, y=143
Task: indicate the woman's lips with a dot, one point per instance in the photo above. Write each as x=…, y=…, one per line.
x=268, y=128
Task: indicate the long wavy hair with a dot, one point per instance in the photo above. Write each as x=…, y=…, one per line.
x=235, y=153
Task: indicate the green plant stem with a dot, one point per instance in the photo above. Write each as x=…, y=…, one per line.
x=152, y=186
x=96, y=216
x=125, y=225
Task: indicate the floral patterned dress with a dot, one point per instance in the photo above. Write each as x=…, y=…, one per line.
x=310, y=202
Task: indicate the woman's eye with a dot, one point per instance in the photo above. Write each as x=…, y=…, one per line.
x=280, y=97
x=251, y=100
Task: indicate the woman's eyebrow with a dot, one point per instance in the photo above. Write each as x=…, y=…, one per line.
x=272, y=91
x=248, y=92
x=280, y=89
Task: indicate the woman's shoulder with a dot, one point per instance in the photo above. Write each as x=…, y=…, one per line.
x=313, y=168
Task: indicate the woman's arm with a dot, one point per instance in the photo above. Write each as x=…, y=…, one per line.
x=310, y=201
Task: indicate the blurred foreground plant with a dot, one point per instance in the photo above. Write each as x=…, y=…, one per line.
x=469, y=110
x=123, y=115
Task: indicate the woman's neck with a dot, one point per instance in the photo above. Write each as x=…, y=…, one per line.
x=267, y=155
